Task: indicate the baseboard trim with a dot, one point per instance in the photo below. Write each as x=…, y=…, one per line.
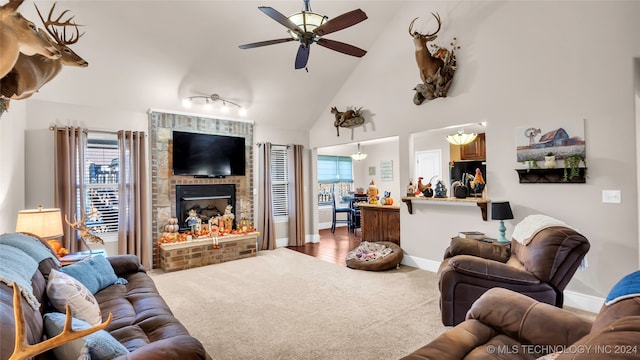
x=327, y=225
x=420, y=263
x=583, y=301
x=571, y=298
x=312, y=238
x=282, y=242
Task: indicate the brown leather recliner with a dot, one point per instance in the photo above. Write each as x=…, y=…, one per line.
x=541, y=269
x=503, y=324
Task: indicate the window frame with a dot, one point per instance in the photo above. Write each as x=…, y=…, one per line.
x=280, y=182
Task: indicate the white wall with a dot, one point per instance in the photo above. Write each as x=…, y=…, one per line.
x=12, y=145
x=519, y=63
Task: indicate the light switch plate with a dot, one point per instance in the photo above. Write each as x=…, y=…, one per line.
x=611, y=196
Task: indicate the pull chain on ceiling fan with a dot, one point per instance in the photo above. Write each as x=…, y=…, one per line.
x=308, y=27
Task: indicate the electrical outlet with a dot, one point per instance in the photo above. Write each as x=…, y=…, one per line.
x=611, y=196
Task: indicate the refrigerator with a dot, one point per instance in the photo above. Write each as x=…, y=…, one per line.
x=459, y=168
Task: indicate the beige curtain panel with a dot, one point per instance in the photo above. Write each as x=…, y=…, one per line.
x=296, y=196
x=266, y=225
x=133, y=231
x=68, y=145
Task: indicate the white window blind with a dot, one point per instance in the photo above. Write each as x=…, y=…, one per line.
x=279, y=181
x=101, y=182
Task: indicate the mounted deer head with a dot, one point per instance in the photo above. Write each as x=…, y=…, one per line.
x=20, y=35
x=23, y=350
x=427, y=64
x=30, y=73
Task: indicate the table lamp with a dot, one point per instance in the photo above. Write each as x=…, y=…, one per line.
x=501, y=211
x=44, y=223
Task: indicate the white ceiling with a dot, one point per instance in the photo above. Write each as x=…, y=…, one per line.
x=152, y=54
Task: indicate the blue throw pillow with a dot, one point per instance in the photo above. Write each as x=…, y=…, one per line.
x=100, y=344
x=627, y=287
x=95, y=273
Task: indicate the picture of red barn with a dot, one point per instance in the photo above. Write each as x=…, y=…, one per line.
x=561, y=141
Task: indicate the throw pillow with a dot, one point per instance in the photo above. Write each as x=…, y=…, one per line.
x=100, y=344
x=627, y=287
x=63, y=289
x=95, y=273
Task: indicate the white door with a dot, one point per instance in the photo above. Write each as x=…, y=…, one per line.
x=428, y=164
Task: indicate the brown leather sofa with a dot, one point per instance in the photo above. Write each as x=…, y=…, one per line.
x=503, y=324
x=541, y=269
x=141, y=319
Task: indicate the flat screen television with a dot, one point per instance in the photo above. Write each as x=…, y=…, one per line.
x=207, y=155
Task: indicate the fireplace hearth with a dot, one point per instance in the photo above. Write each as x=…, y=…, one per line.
x=208, y=200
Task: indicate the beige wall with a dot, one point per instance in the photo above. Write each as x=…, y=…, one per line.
x=515, y=70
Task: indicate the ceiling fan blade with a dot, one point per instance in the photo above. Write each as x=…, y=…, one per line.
x=264, y=43
x=342, y=47
x=303, y=56
x=340, y=22
x=283, y=20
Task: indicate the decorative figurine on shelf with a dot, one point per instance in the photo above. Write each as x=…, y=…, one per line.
x=477, y=185
x=192, y=219
x=228, y=217
x=372, y=193
x=386, y=199
x=214, y=226
x=411, y=189
x=441, y=190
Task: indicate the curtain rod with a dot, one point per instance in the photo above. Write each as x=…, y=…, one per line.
x=99, y=131
x=260, y=143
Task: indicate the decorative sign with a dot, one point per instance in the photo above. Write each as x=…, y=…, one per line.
x=372, y=170
x=386, y=170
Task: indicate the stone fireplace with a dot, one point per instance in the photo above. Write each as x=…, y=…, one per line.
x=164, y=197
x=209, y=200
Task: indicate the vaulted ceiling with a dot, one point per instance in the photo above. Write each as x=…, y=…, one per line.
x=152, y=54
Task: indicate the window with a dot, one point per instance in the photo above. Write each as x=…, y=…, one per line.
x=101, y=198
x=279, y=181
x=335, y=178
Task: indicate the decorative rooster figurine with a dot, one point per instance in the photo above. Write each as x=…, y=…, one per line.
x=425, y=189
x=477, y=184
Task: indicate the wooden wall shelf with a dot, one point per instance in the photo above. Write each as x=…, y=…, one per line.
x=470, y=201
x=547, y=176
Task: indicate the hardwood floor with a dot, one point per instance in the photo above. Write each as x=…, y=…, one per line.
x=332, y=247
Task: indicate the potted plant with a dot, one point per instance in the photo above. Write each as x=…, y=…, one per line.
x=530, y=163
x=549, y=161
x=572, y=166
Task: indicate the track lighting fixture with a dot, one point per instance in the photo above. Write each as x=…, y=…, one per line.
x=210, y=99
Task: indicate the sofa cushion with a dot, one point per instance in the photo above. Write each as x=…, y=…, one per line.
x=63, y=289
x=99, y=345
x=94, y=273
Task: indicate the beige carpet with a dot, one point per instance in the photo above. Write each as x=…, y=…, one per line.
x=286, y=305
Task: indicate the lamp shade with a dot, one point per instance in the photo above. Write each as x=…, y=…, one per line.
x=45, y=223
x=501, y=211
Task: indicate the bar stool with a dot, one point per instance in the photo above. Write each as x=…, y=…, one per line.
x=335, y=220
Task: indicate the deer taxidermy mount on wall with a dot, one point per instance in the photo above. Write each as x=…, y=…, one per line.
x=347, y=119
x=437, y=68
x=29, y=71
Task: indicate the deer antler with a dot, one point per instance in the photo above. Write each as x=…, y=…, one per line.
x=435, y=15
x=50, y=23
x=85, y=232
x=23, y=350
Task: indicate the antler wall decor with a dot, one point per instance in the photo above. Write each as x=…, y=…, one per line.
x=437, y=68
x=347, y=119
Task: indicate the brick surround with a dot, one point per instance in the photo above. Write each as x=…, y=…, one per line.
x=163, y=199
x=180, y=256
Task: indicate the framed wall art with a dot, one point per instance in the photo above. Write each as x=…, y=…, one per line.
x=562, y=139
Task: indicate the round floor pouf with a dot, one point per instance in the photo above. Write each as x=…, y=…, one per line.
x=375, y=256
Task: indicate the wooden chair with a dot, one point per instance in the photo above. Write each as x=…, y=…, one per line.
x=336, y=211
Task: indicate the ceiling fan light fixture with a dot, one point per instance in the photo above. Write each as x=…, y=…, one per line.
x=461, y=138
x=307, y=21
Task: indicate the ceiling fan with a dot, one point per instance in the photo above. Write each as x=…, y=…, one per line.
x=308, y=27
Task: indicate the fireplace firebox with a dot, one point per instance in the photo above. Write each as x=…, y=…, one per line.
x=208, y=200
